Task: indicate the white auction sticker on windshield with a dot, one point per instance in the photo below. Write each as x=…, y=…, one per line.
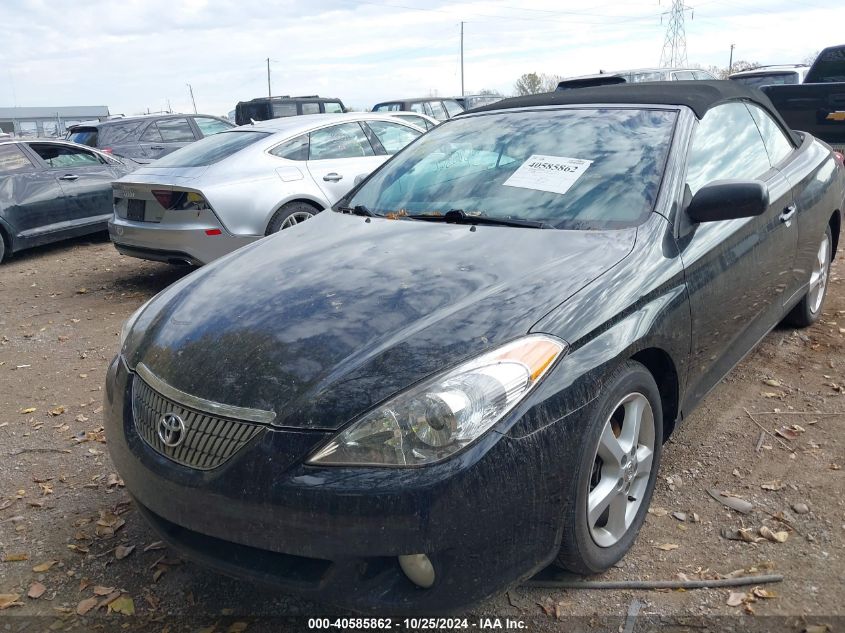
x=555, y=174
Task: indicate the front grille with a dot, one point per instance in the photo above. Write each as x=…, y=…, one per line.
x=209, y=441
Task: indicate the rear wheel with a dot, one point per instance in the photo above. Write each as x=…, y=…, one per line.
x=615, y=478
x=289, y=215
x=2, y=246
x=809, y=309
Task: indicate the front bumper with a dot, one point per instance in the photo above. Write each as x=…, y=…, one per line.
x=172, y=242
x=487, y=518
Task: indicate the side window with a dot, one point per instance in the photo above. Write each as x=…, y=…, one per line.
x=452, y=107
x=310, y=108
x=438, y=111
x=418, y=107
x=294, y=149
x=175, y=131
x=726, y=145
x=13, y=160
x=282, y=110
x=777, y=144
x=117, y=133
x=392, y=136
x=682, y=75
x=59, y=156
x=332, y=107
x=209, y=126
x=702, y=75
x=151, y=134
x=346, y=140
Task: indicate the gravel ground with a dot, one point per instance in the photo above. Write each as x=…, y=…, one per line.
x=69, y=534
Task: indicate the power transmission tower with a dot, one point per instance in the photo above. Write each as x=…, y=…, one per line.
x=674, y=53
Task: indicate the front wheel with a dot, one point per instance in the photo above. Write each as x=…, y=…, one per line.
x=809, y=309
x=612, y=486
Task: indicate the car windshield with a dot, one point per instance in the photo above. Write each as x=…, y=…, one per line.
x=210, y=150
x=579, y=168
x=768, y=79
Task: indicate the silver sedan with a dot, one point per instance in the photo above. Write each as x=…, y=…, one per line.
x=230, y=189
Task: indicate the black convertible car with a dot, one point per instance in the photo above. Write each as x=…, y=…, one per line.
x=467, y=369
x=53, y=190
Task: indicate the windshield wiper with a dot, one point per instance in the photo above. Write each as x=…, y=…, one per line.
x=358, y=209
x=458, y=216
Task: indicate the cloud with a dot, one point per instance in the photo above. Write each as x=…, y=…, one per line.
x=138, y=54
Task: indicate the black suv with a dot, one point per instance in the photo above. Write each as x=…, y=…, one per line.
x=435, y=107
x=146, y=138
x=264, y=108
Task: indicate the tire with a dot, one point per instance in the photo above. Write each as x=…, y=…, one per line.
x=590, y=546
x=2, y=246
x=289, y=215
x=809, y=309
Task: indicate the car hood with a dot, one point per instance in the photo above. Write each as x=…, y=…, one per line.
x=323, y=321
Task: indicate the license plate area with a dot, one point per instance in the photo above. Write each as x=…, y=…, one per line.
x=135, y=210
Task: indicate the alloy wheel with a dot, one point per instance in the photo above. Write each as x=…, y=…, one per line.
x=818, y=278
x=295, y=218
x=621, y=470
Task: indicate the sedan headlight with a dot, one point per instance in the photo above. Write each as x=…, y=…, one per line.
x=439, y=417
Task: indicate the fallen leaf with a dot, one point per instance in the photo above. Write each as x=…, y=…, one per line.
x=9, y=600
x=25, y=411
x=240, y=627
x=763, y=593
x=79, y=549
x=124, y=605
x=772, y=382
x=122, y=551
x=772, y=485
x=114, y=595
x=86, y=605
x=788, y=432
x=154, y=546
x=667, y=547
x=816, y=628
x=774, y=537
x=113, y=480
x=681, y=516
x=14, y=558
x=81, y=418
x=732, y=501
x=735, y=599
x=36, y=590
x=44, y=566
x=57, y=411
x=99, y=590
x=658, y=512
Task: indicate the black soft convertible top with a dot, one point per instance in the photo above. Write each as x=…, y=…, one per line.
x=698, y=96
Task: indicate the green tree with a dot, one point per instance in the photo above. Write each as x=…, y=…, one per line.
x=528, y=84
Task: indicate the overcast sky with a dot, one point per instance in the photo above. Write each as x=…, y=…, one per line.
x=136, y=54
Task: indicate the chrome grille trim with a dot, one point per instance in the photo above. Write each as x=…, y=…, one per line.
x=210, y=440
x=258, y=416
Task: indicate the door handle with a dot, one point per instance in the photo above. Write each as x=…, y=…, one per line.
x=788, y=212
x=70, y=177
x=156, y=146
x=332, y=177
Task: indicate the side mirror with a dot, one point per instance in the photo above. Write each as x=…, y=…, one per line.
x=729, y=200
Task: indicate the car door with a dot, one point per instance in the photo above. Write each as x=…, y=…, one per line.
x=734, y=269
x=784, y=157
x=338, y=155
x=31, y=199
x=165, y=136
x=85, y=179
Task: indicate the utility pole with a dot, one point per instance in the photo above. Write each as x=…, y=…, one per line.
x=191, y=90
x=462, y=59
x=731, y=62
x=269, y=92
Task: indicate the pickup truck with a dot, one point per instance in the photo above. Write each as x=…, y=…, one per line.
x=816, y=106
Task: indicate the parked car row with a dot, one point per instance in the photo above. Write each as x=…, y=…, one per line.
x=466, y=368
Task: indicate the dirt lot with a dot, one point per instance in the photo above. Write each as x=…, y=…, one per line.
x=63, y=510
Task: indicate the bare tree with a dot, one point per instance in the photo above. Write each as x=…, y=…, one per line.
x=550, y=82
x=809, y=59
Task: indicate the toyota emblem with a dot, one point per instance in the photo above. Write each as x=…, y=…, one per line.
x=171, y=430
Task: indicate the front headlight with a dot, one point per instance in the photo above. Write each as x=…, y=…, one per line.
x=439, y=417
